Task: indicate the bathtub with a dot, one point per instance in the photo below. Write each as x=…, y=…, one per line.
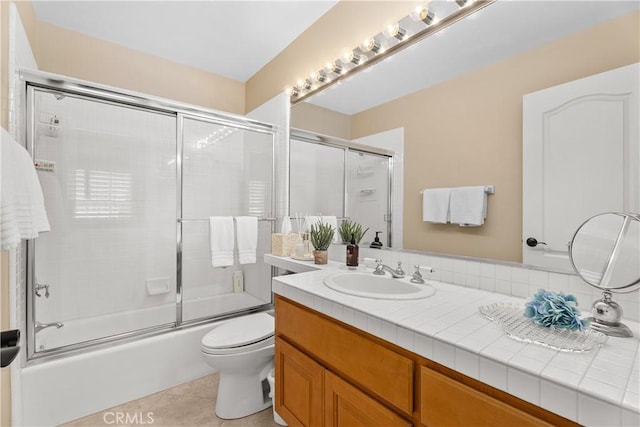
x=60, y=390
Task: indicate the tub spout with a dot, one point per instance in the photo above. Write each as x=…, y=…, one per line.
x=40, y=326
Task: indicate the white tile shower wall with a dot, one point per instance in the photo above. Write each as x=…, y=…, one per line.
x=111, y=204
x=517, y=281
x=392, y=140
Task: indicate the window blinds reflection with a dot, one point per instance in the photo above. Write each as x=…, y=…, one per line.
x=102, y=195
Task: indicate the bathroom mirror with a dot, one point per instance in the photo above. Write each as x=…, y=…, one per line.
x=457, y=96
x=605, y=253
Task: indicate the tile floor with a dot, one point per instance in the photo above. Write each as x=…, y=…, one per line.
x=189, y=404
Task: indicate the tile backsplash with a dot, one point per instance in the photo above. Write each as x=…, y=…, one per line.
x=512, y=280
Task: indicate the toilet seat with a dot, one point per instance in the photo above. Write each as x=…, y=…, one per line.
x=240, y=335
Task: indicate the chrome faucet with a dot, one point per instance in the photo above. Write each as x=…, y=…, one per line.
x=398, y=273
x=40, y=326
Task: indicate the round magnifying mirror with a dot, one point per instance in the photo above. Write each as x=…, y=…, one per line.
x=605, y=252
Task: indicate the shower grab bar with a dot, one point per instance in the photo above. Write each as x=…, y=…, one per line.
x=207, y=219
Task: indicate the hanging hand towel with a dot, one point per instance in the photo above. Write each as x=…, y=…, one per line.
x=22, y=212
x=221, y=240
x=435, y=205
x=333, y=222
x=247, y=231
x=309, y=221
x=468, y=206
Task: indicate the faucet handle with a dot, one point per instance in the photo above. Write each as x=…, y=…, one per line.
x=379, y=270
x=417, y=277
x=399, y=270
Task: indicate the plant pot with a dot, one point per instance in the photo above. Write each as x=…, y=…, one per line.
x=320, y=257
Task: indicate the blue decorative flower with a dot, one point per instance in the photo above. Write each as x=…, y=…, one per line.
x=554, y=309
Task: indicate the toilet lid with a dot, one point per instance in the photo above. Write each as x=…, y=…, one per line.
x=241, y=331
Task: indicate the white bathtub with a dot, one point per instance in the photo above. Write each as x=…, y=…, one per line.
x=61, y=390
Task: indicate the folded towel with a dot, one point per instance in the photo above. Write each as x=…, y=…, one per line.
x=435, y=205
x=468, y=206
x=247, y=232
x=221, y=240
x=22, y=212
x=333, y=222
x=309, y=221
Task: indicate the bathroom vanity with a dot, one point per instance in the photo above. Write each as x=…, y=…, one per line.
x=346, y=360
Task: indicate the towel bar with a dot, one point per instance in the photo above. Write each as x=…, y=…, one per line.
x=489, y=189
x=207, y=219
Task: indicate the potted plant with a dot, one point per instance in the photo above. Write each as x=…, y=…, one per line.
x=321, y=238
x=349, y=228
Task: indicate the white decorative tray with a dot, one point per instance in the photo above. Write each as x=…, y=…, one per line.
x=302, y=258
x=517, y=326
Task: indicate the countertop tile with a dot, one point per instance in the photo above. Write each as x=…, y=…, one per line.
x=599, y=387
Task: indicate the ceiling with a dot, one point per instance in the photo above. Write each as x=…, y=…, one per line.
x=237, y=38
x=503, y=29
x=234, y=39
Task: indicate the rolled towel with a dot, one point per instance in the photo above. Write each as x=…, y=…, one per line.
x=221, y=240
x=247, y=232
x=435, y=205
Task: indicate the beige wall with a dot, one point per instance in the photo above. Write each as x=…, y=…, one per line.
x=468, y=131
x=342, y=28
x=76, y=55
x=320, y=120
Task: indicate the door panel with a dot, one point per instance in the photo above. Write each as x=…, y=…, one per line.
x=580, y=158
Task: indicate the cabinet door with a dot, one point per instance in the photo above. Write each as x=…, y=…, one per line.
x=446, y=402
x=299, y=384
x=345, y=406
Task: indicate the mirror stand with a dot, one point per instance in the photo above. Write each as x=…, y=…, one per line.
x=606, y=316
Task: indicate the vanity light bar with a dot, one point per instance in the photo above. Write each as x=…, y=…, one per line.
x=372, y=50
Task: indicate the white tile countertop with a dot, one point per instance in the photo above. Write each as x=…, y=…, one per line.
x=596, y=388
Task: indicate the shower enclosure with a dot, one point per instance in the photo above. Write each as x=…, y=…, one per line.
x=329, y=176
x=129, y=185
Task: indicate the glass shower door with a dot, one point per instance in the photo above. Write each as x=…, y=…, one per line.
x=108, y=174
x=227, y=170
x=368, y=194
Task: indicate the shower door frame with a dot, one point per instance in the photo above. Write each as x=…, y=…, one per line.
x=32, y=81
x=346, y=146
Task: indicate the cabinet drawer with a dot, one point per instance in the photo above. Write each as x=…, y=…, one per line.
x=386, y=374
x=447, y=402
x=346, y=406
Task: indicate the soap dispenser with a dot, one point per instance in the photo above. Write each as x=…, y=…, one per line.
x=376, y=244
x=352, y=252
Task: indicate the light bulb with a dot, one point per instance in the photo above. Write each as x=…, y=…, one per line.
x=334, y=67
x=463, y=3
x=320, y=76
x=424, y=14
x=351, y=57
x=396, y=31
x=370, y=45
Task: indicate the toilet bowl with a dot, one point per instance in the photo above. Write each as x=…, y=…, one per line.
x=242, y=349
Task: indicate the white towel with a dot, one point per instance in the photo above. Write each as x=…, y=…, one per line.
x=221, y=240
x=22, y=212
x=435, y=205
x=247, y=232
x=309, y=221
x=286, y=225
x=468, y=206
x=333, y=222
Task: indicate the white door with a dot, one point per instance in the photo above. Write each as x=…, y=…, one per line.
x=580, y=158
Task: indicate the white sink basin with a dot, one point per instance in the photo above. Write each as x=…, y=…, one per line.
x=380, y=287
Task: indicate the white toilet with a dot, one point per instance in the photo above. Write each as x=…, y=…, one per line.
x=242, y=349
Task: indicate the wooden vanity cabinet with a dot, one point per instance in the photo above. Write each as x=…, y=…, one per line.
x=331, y=374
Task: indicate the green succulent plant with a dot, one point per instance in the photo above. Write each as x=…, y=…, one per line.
x=321, y=236
x=349, y=228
